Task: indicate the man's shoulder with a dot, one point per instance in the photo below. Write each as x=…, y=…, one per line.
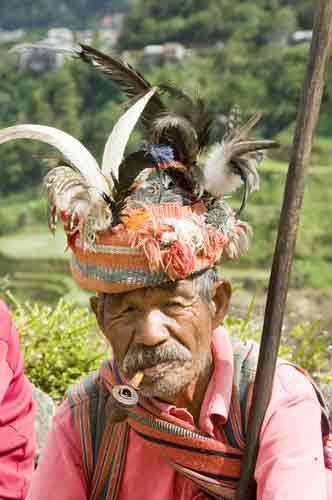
x=292, y=382
x=88, y=387
x=290, y=378
x=292, y=385
x=77, y=399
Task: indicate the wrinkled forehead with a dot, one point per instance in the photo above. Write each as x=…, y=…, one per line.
x=181, y=289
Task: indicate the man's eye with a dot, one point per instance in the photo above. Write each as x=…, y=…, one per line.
x=129, y=309
x=173, y=305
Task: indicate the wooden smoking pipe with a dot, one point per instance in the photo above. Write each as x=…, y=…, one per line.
x=123, y=398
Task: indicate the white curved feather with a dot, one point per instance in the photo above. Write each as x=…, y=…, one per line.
x=70, y=196
x=218, y=176
x=70, y=148
x=118, y=139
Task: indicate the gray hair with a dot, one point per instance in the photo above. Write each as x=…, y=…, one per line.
x=203, y=283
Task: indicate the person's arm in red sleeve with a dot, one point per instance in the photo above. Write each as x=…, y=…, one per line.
x=290, y=462
x=17, y=437
x=59, y=475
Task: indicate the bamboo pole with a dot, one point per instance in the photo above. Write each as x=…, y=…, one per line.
x=308, y=112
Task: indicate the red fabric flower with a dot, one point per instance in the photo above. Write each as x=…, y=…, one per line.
x=179, y=260
x=214, y=245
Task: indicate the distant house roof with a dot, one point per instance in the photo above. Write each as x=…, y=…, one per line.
x=38, y=59
x=153, y=50
x=10, y=35
x=301, y=36
x=171, y=51
x=60, y=34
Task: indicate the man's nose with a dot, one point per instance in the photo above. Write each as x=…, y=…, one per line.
x=151, y=329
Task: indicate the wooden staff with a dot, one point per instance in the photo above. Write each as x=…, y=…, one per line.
x=308, y=112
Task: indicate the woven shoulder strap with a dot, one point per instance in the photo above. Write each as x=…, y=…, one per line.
x=103, y=444
x=245, y=362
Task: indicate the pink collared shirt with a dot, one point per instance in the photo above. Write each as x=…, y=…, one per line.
x=17, y=439
x=290, y=463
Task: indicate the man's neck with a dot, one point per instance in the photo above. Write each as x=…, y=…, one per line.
x=193, y=395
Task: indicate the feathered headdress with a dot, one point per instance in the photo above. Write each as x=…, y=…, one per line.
x=155, y=215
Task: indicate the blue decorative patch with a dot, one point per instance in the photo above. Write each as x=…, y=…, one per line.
x=162, y=155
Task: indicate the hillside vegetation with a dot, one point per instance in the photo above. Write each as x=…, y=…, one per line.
x=205, y=22
x=41, y=14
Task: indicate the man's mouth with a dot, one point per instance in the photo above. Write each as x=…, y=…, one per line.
x=159, y=369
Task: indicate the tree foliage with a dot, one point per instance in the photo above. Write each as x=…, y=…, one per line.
x=28, y=14
x=74, y=99
x=197, y=22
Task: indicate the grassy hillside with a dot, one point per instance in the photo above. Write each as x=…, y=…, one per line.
x=314, y=246
x=36, y=265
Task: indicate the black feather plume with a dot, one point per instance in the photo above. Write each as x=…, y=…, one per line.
x=185, y=125
x=130, y=81
x=177, y=132
x=194, y=110
x=130, y=169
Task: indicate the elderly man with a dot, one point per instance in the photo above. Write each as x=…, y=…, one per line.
x=17, y=439
x=146, y=233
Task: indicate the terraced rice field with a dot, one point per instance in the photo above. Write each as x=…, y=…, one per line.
x=37, y=266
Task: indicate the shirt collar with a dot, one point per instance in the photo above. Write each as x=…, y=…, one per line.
x=219, y=391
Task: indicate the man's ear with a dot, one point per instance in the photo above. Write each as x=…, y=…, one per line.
x=221, y=299
x=95, y=305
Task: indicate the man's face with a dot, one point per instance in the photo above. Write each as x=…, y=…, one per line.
x=163, y=331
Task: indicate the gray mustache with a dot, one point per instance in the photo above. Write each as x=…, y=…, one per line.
x=139, y=357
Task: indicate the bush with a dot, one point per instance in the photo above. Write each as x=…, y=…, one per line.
x=59, y=344
x=305, y=345
x=8, y=223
